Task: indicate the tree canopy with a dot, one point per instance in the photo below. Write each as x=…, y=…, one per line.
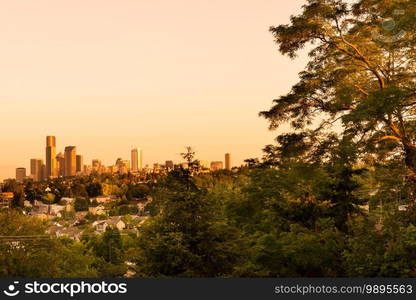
x=360, y=79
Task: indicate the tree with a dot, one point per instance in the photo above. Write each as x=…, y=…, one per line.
x=79, y=190
x=81, y=204
x=360, y=75
x=48, y=198
x=139, y=191
x=29, y=252
x=19, y=197
x=187, y=237
x=94, y=189
x=189, y=156
x=33, y=191
x=110, y=247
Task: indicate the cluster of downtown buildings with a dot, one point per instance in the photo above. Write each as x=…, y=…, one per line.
x=72, y=164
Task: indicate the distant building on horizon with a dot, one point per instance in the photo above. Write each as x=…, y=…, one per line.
x=80, y=164
x=50, y=156
x=20, y=174
x=227, y=161
x=136, y=159
x=216, y=165
x=70, y=161
x=60, y=164
x=123, y=166
x=36, y=169
x=206, y=165
x=96, y=165
x=156, y=167
x=169, y=165
x=43, y=172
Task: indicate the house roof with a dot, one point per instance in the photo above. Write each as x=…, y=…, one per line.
x=70, y=231
x=112, y=221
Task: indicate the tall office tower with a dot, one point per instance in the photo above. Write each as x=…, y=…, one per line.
x=43, y=172
x=80, y=164
x=20, y=174
x=228, y=161
x=140, y=160
x=134, y=160
x=60, y=164
x=70, y=161
x=50, y=156
x=40, y=175
x=36, y=169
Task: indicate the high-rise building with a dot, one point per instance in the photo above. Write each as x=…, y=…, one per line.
x=123, y=166
x=50, y=156
x=80, y=164
x=43, y=172
x=33, y=170
x=134, y=160
x=140, y=159
x=216, y=165
x=60, y=164
x=228, y=161
x=96, y=165
x=36, y=169
x=20, y=174
x=70, y=161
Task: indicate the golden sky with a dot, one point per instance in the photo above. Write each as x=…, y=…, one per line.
x=106, y=75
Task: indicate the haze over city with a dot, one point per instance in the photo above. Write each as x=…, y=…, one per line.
x=158, y=75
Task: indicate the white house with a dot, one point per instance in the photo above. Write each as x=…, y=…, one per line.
x=68, y=200
x=98, y=210
x=101, y=226
x=55, y=209
x=102, y=199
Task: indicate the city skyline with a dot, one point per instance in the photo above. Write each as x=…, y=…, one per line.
x=161, y=75
x=70, y=163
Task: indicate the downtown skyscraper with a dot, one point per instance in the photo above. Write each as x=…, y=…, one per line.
x=50, y=156
x=136, y=159
x=80, y=164
x=36, y=169
x=70, y=157
x=20, y=174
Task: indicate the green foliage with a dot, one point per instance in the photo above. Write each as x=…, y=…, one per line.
x=48, y=198
x=94, y=189
x=39, y=256
x=359, y=80
x=186, y=238
x=140, y=191
x=81, y=204
x=123, y=210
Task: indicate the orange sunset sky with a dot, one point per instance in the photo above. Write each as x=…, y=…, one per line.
x=106, y=75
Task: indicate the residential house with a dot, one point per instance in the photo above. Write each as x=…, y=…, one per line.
x=116, y=222
x=98, y=210
x=71, y=232
x=103, y=199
